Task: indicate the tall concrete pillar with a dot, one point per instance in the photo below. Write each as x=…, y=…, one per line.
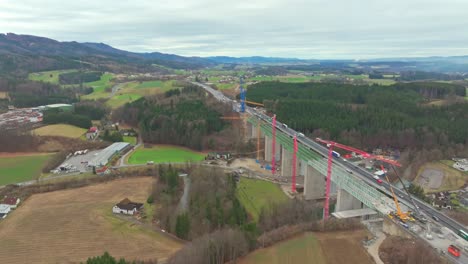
x=346, y=201
x=279, y=150
x=286, y=163
x=268, y=143
x=314, y=184
x=302, y=164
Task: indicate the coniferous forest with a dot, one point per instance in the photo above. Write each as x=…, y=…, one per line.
x=399, y=115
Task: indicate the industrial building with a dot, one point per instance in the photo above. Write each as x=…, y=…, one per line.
x=61, y=107
x=103, y=157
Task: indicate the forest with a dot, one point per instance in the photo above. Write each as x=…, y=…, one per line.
x=79, y=77
x=173, y=118
x=369, y=116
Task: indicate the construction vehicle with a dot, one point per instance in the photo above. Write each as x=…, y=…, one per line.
x=404, y=217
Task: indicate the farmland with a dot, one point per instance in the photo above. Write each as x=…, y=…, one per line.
x=256, y=194
x=121, y=99
x=164, y=154
x=60, y=130
x=304, y=248
x=48, y=76
x=99, y=87
x=131, y=140
x=16, y=168
x=71, y=225
x=314, y=248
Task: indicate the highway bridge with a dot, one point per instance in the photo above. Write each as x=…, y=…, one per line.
x=355, y=186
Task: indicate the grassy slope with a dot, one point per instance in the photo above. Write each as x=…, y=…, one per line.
x=60, y=130
x=46, y=76
x=99, y=87
x=256, y=194
x=302, y=249
x=21, y=168
x=131, y=140
x=133, y=91
x=163, y=154
x=453, y=180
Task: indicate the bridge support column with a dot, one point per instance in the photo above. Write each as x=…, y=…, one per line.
x=302, y=167
x=314, y=184
x=346, y=201
x=286, y=163
x=268, y=144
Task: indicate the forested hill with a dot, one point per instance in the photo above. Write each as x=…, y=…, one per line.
x=177, y=117
x=369, y=116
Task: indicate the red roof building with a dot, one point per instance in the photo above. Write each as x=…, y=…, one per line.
x=11, y=201
x=92, y=130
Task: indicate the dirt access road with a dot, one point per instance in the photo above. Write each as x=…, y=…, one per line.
x=72, y=225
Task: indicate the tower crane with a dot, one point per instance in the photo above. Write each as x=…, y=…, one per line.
x=331, y=145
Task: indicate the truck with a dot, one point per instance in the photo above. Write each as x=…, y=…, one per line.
x=336, y=154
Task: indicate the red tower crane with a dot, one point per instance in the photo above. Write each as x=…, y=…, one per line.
x=331, y=145
x=273, y=147
x=293, y=186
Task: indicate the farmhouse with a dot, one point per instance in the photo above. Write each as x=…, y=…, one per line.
x=4, y=210
x=126, y=207
x=12, y=201
x=92, y=133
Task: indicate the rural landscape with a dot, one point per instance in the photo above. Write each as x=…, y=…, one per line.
x=113, y=149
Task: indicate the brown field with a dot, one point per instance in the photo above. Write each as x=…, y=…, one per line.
x=61, y=130
x=3, y=95
x=314, y=248
x=344, y=247
x=71, y=225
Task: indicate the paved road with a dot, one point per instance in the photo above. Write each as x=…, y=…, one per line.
x=358, y=171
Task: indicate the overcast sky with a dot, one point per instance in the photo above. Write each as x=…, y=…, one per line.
x=355, y=29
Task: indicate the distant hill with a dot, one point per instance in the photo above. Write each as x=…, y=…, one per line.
x=254, y=60
x=20, y=54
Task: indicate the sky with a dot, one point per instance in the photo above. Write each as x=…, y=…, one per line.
x=309, y=29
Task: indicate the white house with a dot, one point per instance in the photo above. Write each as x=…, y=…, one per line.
x=12, y=202
x=126, y=207
x=4, y=210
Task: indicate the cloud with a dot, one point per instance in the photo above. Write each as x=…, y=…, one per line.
x=293, y=28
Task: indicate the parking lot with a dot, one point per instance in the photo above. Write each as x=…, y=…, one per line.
x=78, y=163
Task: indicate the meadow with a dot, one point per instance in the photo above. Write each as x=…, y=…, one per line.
x=257, y=194
x=164, y=154
x=16, y=168
x=61, y=130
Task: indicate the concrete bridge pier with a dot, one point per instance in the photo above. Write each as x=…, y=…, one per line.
x=314, y=184
x=346, y=201
x=268, y=145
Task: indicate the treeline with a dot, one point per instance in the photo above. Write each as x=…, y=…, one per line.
x=173, y=118
x=365, y=116
x=26, y=93
x=79, y=77
x=95, y=110
x=212, y=203
x=54, y=117
x=422, y=75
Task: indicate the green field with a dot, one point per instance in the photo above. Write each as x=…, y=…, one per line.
x=304, y=248
x=121, y=99
x=99, y=87
x=131, y=140
x=164, y=154
x=256, y=194
x=21, y=168
x=47, y=76
x=150, y=84
x=61, y=130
